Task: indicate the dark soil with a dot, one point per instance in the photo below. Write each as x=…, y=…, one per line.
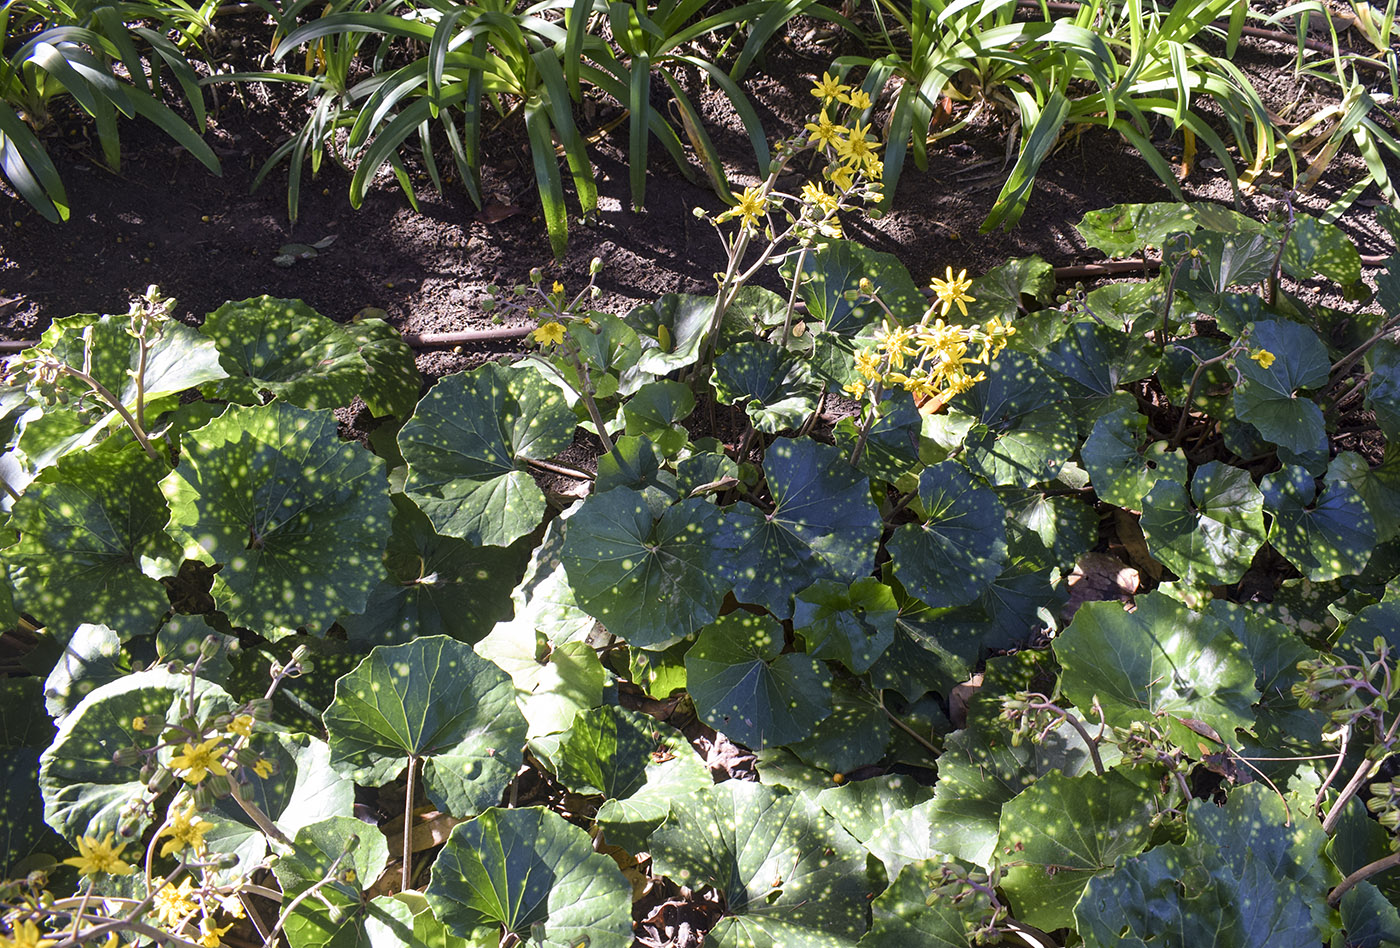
x=204, y=239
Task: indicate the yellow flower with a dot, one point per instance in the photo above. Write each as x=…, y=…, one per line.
x=752, y=205
x=820, y=198
x=857, y=99
x=1264, y=357
x=198, y=762
x=549, y=334
x=824, y=132
x=263, y=767
x=242, y=725
x=173, y=905
x=894, y=344
x=558, y=288
x=856, y=389
x=25, y=934
x=855, y=148
x=138, y=723
x=185, y=829
x=866, y=364
x=952, y=290
x=209, y=933
x=829, y=87
x=94, y=858
x=841, y=176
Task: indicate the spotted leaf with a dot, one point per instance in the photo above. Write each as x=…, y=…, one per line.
x=823, y=526
x=466, y=445
x=434, y=700
x=530, y=873
x=88, y=528
x=650, y=581
x=745, y=686
x=294, y=517
x=791, y=877
x=950, y=558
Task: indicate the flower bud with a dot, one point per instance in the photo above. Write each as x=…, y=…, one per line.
x=209, y=648
x=261, y=709
x=126, y=757
x=536, y=274
x=595, y=266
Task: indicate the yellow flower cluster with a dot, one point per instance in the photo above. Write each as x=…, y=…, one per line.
x=853, y=146
x=934, y=360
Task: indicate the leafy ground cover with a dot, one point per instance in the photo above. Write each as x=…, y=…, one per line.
x=859, y=551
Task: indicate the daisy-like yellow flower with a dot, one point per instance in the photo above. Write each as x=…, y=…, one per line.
x=855, y=148
x=895, y=344
x=558, y=288
x=25, y=934
x=185, y=829
x=242, y=726
x=855, y=389
x=952, y=291
x=842, y=176
x=825, y=132
x=857, y=99
x=820, y=198
x=549, y=334
x=829, y=87
x=210, y=935
x=753, y=203
x=138, y=723
x=1264, y=357
x=95, y=858
x=263, y=767
x=195, y=762
x=172, y=904
x=867, y=364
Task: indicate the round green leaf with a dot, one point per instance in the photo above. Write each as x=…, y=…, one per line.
x=1268, y=398
x=85, y=794
x=465, y=446
x=671, y=331
x=1383, y=387
x=673, y=771
x=1326, y=537
x=954, y=555
x=744, y=687
x=790, y=875
x=1014, y=425
x=650, y=582
x=1248, y=874
x=88, y=528
x=851, y=624
x=823, y=526
x=1315, y=248
x=91, y=658
x=392, y=380
x=534, y=874
x=1095, y=359
x=287, y=348
x=1060, y=833
x=436, y=585
x=854, y=735
x=838, y=266
x=606, y=751
x=1161, y=660
x=656, y=410
x=295, y=517
x=774, y=385
x=432, y=699
x=1124, y=463
x=1211, y=534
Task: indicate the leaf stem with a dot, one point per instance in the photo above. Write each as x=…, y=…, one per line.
x=406, y=876
x=1334, y=897
x=1201, y=366
x=115, y=402
x=1345, y=363
x=906, y=728
x=792, y=297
